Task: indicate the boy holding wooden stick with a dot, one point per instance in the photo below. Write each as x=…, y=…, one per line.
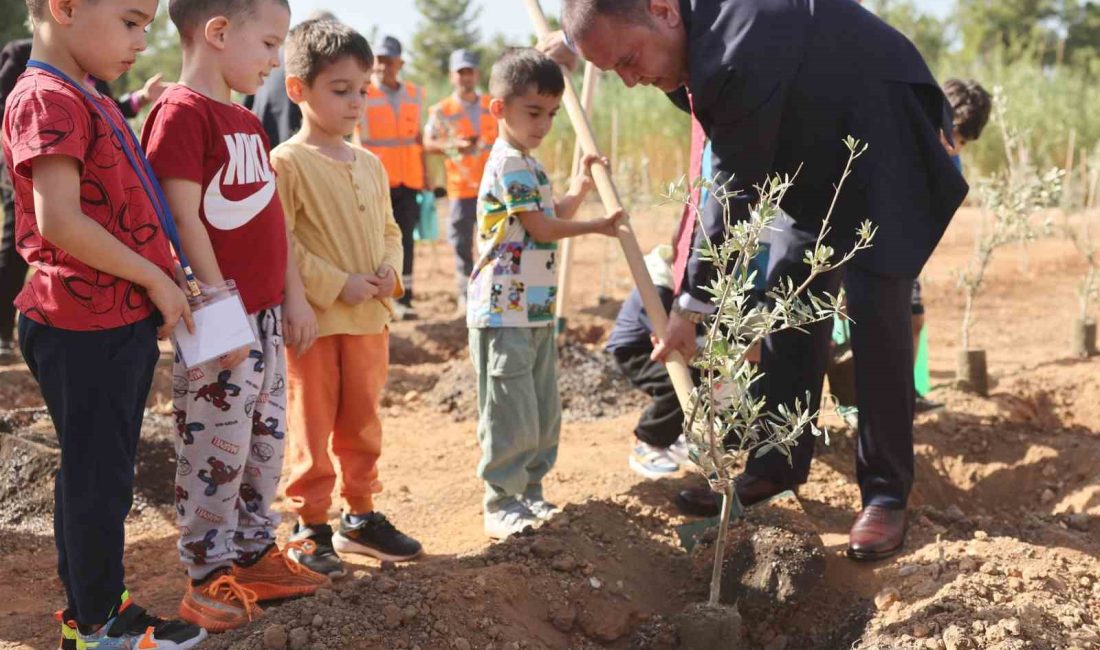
x=510, y=299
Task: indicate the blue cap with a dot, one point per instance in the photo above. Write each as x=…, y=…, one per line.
x=462, y=59
x=388, y=46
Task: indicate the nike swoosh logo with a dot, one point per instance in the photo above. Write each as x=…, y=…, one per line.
x=227, y=214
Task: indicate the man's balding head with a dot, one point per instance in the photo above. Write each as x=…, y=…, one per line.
x=644, y=41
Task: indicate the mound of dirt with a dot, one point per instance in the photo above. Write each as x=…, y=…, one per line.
x=605, y=573
x=590, y=385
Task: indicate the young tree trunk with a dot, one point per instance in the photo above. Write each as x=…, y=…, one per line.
x=731, y=509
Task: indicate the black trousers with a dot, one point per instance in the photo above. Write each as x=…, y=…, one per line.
x=406, y=211
x=13, y=269
x=882, y=344
x=95, y=385
x=663, y=420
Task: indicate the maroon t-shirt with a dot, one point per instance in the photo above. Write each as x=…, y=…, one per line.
x=46, y=116
x=223, y=148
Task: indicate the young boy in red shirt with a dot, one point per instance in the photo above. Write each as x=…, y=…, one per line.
x=86, y=221
x=212, y=158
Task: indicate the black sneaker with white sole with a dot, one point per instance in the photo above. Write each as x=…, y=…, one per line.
x=324, y=559
x=372, y=534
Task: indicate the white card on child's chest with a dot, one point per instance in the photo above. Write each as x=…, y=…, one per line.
x=220, y=327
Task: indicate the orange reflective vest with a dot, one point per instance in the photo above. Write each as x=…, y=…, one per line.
x=451, y=121
x=393, y=135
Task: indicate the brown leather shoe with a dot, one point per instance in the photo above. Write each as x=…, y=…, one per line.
x=878, y=533
x=751, y=490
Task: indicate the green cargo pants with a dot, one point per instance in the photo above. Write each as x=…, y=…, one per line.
x=519, y=411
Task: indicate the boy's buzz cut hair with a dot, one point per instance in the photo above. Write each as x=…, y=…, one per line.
x=971, y=104
x=316, y=44
x=522, y=68
x=188, y=15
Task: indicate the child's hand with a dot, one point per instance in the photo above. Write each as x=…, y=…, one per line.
x=385, y=281
x=300, y=326
x=610, y=225
x=357, y=289
x=583, y=182
x=231, y=360
x=172, y=305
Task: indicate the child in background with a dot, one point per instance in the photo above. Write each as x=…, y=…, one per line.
x=348, y=246
x=212, y=157
x=510, y=300
x=90, y=317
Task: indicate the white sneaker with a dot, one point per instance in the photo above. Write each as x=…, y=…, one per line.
x=541, y=508
x=508, y=518
x=679, y=451
x=652, y=462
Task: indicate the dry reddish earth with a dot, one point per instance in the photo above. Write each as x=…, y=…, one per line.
x=1003, y=549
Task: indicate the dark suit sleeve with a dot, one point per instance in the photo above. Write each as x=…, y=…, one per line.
x=13, y=61
x=743, y=141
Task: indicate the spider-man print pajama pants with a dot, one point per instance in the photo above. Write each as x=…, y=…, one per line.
x=230, y=427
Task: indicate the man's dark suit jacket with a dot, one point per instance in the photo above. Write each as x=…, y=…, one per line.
x=281, y=117
x=779, y=84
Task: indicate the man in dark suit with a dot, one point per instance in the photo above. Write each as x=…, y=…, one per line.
x=779, y=84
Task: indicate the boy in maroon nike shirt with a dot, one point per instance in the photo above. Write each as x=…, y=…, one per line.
x=212, y=157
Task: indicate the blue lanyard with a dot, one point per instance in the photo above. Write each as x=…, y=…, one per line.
x=142, y=169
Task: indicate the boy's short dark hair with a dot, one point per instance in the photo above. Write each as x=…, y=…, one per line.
x=522, y=68
x=34, y=11
x=971, y=104
x=188, y=15
x=314, y=45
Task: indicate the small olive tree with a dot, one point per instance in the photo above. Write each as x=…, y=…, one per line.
x=725, y=423
x=1011, y=200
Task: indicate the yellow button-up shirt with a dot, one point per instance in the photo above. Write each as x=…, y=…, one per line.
x=341, y=222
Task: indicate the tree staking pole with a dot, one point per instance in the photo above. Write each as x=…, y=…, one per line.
x=588, y=95
x=609, y=195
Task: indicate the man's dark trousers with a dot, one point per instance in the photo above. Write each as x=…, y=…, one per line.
x=794, y=363
x=95, y=384
x=662, y=422
x=406, y=212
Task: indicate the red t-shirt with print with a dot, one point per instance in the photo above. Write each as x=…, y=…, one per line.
x=224, y=149
x=45, y=116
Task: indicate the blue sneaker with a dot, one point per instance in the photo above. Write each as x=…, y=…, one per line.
x=132, y=628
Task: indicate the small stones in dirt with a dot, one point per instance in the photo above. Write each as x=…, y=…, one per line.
x=299, y=638
x=921, y=630
x=563, y=616
x=318, y=621
x=391, y=616
x=1047, y=496
x=594, y=582
x=386, y=586
x=564, y=562
x=388, y=566
x=460, y=644
x=887, y=598
x=275, y=637
x=955, y=639
x=546, y=547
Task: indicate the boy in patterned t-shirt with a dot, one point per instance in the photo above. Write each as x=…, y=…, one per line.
x=510, y=300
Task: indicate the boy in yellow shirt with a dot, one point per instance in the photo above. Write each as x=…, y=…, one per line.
x=348, y=247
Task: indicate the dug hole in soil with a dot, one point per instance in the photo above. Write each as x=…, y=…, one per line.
x=1002, y=548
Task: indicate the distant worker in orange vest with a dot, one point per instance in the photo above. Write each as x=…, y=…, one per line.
x=461, y=128
x=390, y=129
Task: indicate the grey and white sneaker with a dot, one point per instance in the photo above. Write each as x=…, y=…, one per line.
x=508, y=517
x=324, y=559
x=538, y=505
x=653, y=462
x=679, y=451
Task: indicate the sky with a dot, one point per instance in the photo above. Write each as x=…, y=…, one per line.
x=509, y=17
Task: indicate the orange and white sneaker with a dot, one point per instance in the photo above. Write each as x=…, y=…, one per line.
x=219, y=603
x=274, y=576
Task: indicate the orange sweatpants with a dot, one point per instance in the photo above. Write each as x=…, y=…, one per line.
x=334, y=390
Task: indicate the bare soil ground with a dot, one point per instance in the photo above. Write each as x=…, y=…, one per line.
x=1003, y=551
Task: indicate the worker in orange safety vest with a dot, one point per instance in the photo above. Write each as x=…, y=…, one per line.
x=390, y=129
x=461, y=128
